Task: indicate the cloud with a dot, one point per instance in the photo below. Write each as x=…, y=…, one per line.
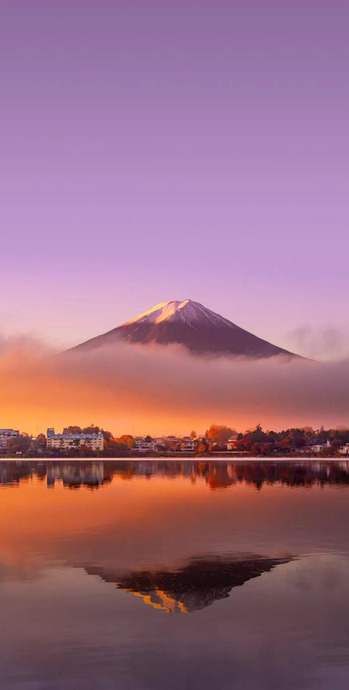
x=329, y=342
x=137, y=389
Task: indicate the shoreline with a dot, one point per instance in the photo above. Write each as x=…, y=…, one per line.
x=186, y=458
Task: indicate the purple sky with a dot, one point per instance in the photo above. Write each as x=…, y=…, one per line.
x=170, y=150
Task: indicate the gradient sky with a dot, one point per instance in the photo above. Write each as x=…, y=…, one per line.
x=155, y=150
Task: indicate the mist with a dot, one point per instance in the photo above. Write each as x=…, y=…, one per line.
x=161, y=390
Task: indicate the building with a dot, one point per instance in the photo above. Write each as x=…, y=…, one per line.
x=344, y=450
x=70, y=441
x=319, y=447
x=188, y=445
x=9, y=433
x=232, y=443
x=159, y=442
x=3, y=443
x=5, y=434
x=171, y=443
x=143, y=446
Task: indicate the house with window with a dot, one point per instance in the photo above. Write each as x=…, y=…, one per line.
x=188, y=445
x=143, y=445
x=67, y=441
x=5, y=435
x=232, y=443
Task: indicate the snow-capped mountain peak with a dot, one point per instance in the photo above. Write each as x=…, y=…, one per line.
x=191, y=325
x=161, y=312
x=187, y=311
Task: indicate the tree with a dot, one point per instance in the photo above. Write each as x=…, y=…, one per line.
x=202, y=446
x=127, y=440
x=114, y=449
x=92, y=429
x=73, y=430
x=220, y=434
x=40, y=441
x=19, y=444
x=193, y=435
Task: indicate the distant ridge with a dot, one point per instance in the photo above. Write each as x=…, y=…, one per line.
x=190, y=324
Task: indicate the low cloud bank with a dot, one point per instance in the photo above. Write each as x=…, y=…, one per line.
x=137, y=389
x=325, y=343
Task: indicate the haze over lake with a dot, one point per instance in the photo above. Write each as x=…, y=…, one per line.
x=176, y=574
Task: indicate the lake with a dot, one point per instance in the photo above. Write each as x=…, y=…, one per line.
x=176, y=575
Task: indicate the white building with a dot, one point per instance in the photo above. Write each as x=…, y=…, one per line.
x=3, y=442
x=318, y=447
x=143, y=446
x=9, y=433
x=71, y=441
x=189, y=445
x=5, y=434
x=344, y=450
x=171, y=442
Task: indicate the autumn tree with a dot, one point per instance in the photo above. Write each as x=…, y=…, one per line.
x=202, y=447
x=219, y=434
x=127, y=440
x=19, y=444
x=114, y=449
x=92, y=429
x=73, y=430
x=41, y=441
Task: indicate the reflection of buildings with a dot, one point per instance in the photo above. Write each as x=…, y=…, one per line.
x=217, y=474
x=75, y=474
x=67, y=441
x=196, y=586
x=14, y=471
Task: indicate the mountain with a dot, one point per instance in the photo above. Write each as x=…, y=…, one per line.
x=190, y=324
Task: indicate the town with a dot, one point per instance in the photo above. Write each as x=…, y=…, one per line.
x=218, y=440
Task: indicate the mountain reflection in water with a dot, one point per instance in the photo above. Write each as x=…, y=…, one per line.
x=197, y=585
x=93, y=553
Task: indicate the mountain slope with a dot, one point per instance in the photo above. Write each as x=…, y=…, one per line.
x=192, y=325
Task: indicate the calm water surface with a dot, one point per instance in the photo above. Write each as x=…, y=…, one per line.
x=163, y=574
